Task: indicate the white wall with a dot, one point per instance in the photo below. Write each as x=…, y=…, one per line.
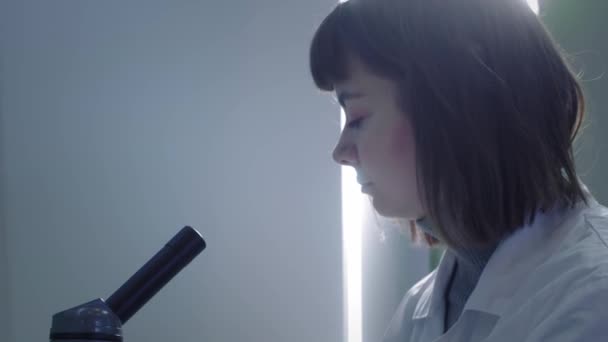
x=4, y=292
x=4, y=284
x=122, y=121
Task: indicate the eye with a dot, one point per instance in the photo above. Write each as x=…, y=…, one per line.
x=356, y=123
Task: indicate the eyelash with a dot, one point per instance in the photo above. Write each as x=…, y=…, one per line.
x=355, y=123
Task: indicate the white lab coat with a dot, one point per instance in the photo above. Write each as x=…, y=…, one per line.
x=546, y=282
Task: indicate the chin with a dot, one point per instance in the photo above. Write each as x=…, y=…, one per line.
x=403, y=212
x=384, y=210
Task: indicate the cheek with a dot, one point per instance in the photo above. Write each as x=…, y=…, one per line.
x=403, y=152
x=401, y=144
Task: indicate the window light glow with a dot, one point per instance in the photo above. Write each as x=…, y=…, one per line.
x=533, y=5
x=352, y=231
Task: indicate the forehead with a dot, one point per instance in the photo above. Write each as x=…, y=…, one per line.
x=361, y=82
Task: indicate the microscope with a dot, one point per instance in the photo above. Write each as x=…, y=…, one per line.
x=102, y=320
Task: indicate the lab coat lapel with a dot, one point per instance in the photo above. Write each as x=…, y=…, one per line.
x=430, y=310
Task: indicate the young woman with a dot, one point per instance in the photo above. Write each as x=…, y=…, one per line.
x=460, y=118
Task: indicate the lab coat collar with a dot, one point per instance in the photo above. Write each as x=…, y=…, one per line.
x=514, y=258
x=431, y=300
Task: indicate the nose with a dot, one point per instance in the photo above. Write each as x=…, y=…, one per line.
x=345, y=153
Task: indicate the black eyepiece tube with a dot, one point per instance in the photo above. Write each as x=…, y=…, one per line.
x=156, y=273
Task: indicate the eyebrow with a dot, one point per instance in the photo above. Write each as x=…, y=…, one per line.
x=347, y=95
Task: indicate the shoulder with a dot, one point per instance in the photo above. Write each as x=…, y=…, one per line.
x=566, y=294
x=585, y=248
x=570, y=312
x=596, y=224
x=579, y=262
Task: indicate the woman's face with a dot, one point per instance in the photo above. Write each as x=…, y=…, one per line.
x=378, y=142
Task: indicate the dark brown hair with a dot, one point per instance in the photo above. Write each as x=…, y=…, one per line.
x=492, y=102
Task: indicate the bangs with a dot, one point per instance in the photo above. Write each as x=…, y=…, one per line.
x=328, y=51
x=356, y=30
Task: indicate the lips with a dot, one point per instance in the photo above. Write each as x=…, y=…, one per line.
x=366, y=187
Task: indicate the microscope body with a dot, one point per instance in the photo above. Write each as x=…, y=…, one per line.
x=90, y=322
x=102, y=320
